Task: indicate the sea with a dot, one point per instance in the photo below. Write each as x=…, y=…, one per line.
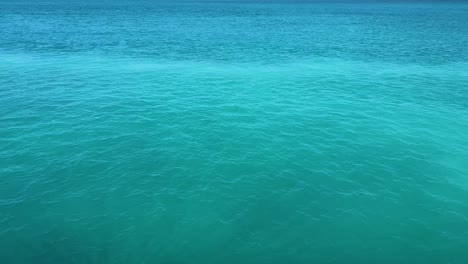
x=250, y=132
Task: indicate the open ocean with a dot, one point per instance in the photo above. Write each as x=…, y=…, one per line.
x=233, y=132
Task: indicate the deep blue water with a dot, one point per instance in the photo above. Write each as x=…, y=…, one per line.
x=228, y=132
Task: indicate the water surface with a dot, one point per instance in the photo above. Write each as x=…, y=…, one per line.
x=233, y=132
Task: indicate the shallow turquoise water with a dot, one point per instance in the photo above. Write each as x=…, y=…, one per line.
x=233, y=133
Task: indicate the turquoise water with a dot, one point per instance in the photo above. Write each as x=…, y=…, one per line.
x=233, y=132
